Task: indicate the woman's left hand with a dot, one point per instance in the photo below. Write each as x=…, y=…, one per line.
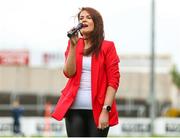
x=103, y=119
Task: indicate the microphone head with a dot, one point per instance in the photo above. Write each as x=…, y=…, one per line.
x=79, y=26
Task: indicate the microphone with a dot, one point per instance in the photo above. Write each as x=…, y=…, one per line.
x=74, y=30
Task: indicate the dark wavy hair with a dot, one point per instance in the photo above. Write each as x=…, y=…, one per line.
x=97, y=36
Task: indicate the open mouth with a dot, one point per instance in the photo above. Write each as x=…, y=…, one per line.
x=85, y=25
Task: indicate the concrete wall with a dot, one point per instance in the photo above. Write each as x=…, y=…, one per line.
x=33, y=80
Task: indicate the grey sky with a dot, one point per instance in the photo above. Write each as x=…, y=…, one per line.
x=41, y=25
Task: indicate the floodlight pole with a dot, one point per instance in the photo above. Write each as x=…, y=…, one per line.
x=152, y=81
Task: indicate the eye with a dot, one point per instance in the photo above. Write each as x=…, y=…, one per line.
x=89, y=17
x=81, y=18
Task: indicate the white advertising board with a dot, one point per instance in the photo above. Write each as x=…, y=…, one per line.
x=40, y=126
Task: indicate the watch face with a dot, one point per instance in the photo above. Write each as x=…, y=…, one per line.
x=108, y=108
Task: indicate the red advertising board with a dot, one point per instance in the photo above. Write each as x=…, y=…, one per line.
x=14, y=57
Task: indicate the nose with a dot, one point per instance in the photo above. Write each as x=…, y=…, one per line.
x=84, y=20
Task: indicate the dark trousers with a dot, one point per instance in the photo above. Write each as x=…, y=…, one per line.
x=80, y=123
x=16, y=127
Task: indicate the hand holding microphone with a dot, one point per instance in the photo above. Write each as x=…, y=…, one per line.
x=72, y=34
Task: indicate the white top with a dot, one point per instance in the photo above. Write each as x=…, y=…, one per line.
x=83, y=97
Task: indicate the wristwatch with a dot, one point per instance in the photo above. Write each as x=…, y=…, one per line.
x=107, y=108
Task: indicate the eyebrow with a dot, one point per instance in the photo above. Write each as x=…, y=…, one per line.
x=86, y=15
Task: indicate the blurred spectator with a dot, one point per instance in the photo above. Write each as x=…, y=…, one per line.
x=48, y=109
x=47, y=115
x=17, y=111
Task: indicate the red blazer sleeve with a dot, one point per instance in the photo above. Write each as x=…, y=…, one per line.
x=112, y=67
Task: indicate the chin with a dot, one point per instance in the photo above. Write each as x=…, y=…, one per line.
x=86, y=33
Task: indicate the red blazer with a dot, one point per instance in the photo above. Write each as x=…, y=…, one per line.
x=104, y=73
